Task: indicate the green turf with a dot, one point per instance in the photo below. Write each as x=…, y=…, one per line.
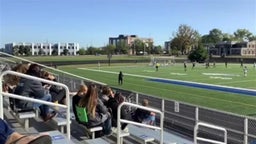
x=84, y=58
x=236, y=103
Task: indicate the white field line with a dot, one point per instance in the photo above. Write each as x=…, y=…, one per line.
x=167, y=79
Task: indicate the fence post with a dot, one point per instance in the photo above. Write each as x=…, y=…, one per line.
x=196, y=115
x=245, y=130
x=137, y=98
x=163, y=106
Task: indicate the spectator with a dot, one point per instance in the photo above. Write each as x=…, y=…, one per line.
x=34, y=89
x=58, y=95
x=120, y=78
x=76, y=98
x=13, y=80
x=97, y=112
x=106, y=93
x=9, y=136
x=145, y=116
x=113, y=103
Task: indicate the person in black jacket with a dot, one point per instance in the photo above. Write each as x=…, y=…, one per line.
x=113, y=103
x=76, y=98
x=58, y=95
x=120, y=78
x=34, y=89
x=144, y=116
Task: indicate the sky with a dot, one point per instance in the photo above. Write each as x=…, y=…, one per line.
x=92, y=22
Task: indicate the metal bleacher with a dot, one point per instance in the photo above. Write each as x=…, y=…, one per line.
x=180, y=119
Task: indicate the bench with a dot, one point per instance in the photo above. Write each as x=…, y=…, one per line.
x=144, y=133
x=140, y=134
x=60, y=119
x=96, y=141
x=58, y=137
x=26, y=115
x=22, y=116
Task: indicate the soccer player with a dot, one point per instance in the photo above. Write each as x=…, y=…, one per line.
x=245, y=71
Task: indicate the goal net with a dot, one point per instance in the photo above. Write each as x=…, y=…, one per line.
x=162, y=60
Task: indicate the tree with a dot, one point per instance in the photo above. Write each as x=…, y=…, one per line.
x=27, y=51
x=54, y=52
x=199, y=54
x=121, y=47
x=242, y=34
x=91, y=51
x=41, y=51
x=110, y=49
x=186, y=38
x=215, y=36
x=138, y=46
x=65, y=51
x=81, y=51
x=16, y=50
x=228, y=37
x=157, y=50
x=21, y=49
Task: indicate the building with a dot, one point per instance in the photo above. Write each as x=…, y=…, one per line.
x=44, y=48
x=167, y=47
x=234, y=48
x=129, y=40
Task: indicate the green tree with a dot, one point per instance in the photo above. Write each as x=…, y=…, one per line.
x=138, y=46
x=82, y=51
x=242, y=34
x=92, y=50
x=228, y=37
x=215, y=36
x=176, y=46
x=21, y=49
x=65, y=51
x=16, y=50
x=186, y=38
x=27, y=51
x=110, y=49
x=55, y=52
x=121, y=47
x=199, y=54
x=157, y=50
x=41, y=51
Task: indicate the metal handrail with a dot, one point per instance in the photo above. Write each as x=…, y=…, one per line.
x=119, y=120
x=67, y=107
x=53, y=69
x=209, y=140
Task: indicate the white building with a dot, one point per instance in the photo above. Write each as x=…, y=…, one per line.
x=45, y=48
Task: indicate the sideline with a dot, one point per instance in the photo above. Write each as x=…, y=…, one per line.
x=249, y=92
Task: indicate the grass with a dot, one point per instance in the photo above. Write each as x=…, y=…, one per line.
x=83, y=58
x=134, y=81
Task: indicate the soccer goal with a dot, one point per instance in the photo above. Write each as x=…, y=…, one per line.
x=162, y=60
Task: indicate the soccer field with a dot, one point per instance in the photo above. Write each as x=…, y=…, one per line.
x=136, y=78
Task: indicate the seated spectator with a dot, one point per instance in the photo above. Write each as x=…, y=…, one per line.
x=98, y=114
x=34, y=89
x=76, y=98
x=144, y=116
x=113, y=103
x=9, y=136
x=12, y=80
x=106, y=93
x=58, y=95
